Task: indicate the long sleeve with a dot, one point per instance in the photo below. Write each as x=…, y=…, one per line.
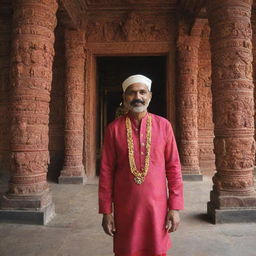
x=173, y=173
x=108, y=162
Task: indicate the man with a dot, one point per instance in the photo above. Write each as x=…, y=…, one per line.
x=139, y=155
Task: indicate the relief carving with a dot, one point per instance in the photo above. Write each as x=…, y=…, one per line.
x=130, y=27
x=31, y=78
x=74, y=104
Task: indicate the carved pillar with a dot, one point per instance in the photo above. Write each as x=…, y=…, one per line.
x=233, y=197
x=253, y=20
x=29, y=198
x=205, y=123
x=73, y=170
x=188, y=45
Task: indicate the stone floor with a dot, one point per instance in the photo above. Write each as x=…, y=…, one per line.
x=76, y=229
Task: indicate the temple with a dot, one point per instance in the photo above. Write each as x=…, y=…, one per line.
x=61, y=68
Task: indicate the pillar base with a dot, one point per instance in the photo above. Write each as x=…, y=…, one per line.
x=192, y=177
x=231, y=215
x=72, y=175
x=72, y=179
x=31, y=216
x=29, y=209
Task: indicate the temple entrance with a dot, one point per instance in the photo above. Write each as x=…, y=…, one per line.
x=111, y=71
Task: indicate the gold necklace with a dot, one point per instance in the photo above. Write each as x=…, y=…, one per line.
x=139, y=176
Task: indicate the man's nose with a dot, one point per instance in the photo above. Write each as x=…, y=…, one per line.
x=137, y=95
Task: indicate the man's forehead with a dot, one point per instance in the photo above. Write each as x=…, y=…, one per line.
x=137, y=87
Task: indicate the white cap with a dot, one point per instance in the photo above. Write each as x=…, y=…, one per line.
x=136, y=79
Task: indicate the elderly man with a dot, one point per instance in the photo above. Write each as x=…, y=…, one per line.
x=139, y=155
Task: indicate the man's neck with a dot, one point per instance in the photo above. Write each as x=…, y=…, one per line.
x=138, y=115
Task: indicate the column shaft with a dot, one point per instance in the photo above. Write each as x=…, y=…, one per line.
x=188, y=110
x=30, y=77
x=73, y=170
x=233, y=110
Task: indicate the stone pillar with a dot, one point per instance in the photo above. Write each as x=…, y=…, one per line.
x=29, y=198
x=188, y=45
x=253, y=20
x=205, y=123
x=233, y=197
x=73, y=170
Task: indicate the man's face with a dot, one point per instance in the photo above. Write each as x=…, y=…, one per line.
x=137, y=97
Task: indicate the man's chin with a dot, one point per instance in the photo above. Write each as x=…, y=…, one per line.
x=138, y=109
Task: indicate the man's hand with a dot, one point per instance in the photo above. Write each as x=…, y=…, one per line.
x=172, y=220
x=108, y=224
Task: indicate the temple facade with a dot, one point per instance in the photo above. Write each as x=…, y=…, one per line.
x=61, y=68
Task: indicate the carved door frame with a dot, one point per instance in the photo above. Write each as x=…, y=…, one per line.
x=95, y=50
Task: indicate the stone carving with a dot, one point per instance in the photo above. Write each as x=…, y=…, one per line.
x=205, y=122
x=130, y=27
x=188, y=120
x=233, y=105
x=74, y=105
x=30, y=78
x=253, y=19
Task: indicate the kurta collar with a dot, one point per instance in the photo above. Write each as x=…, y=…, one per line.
x=133, y=120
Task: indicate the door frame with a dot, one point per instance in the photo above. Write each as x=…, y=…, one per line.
x=94, y=50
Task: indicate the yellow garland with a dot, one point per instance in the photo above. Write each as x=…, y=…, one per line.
x=139, y=176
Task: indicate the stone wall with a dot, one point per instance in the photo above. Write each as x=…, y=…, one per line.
x=205, y=123
x=5, y=39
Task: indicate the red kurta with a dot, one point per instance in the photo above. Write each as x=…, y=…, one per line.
x=140, y=210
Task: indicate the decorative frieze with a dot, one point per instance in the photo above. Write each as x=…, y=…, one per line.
x=129, y=26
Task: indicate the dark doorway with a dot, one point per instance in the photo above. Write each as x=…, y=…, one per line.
x=112, y=71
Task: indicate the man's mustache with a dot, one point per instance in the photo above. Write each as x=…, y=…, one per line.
x=137, y=101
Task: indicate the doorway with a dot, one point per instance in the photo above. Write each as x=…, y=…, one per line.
x=112, y=71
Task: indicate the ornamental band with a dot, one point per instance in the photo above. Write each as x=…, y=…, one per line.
x=139, y=155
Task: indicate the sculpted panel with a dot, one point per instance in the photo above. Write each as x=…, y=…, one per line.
x=235, y=112
x=233, y=65
x=234, y=153
x=131, y=26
